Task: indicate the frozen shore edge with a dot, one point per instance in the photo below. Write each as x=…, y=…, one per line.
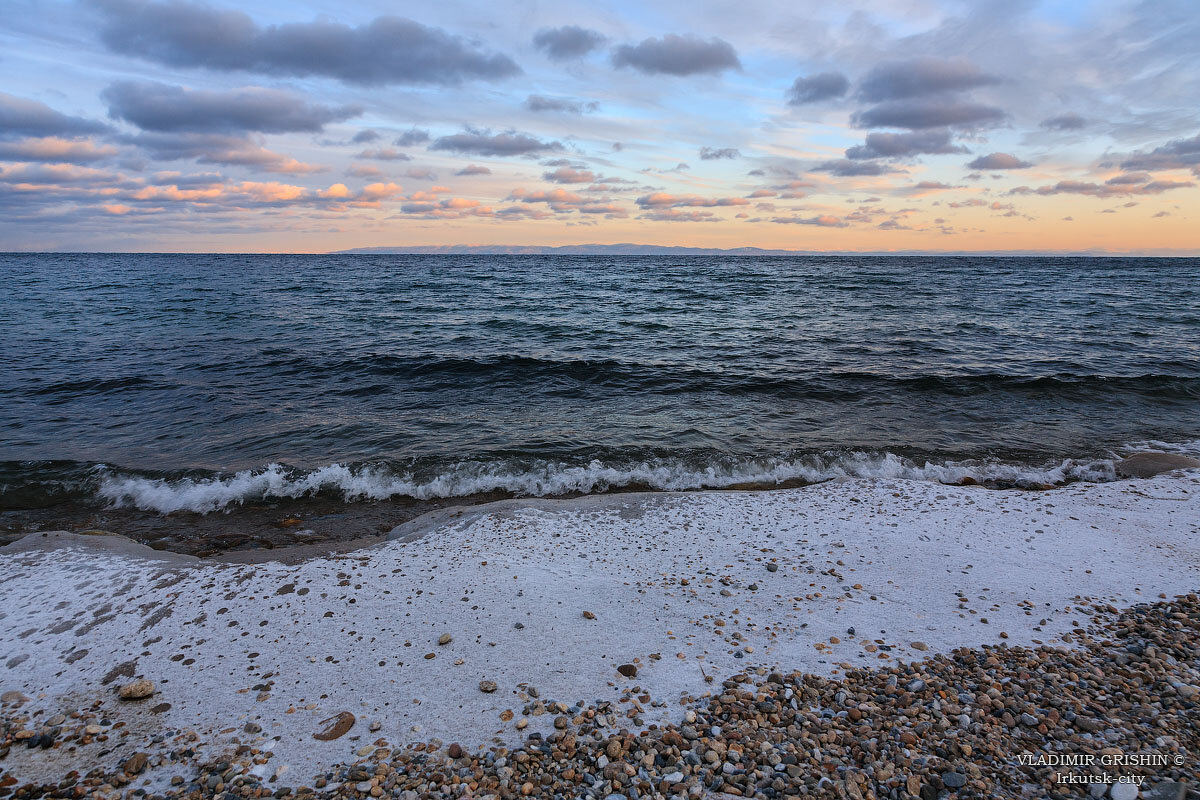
x=261, y=654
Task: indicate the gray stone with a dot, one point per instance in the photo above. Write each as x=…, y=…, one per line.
x=954, y=780
x=1147, y=465
x=1167, y=790
x=1123, y=791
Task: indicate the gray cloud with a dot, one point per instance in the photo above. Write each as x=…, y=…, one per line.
x=486, y=143
x=411, y=137
x=567, y=42
x=570, y=175
x=1109, y=189
x=677, y=55
x=384, y=154
x=713, y=154
x=815, y=88
x=537, y=102
x=163, y=108
x=211, y=148
x=903, y=145
x=993, y=161
x=21, y=117
x=387, y=50
x=472, y=169
x=823, y=221
x=1177, y=154
x=925, y=187
x=847, y=168
x=1064, y=122
x=365, y=136
x=924, y=75
x=665, y=200
x=55, y=151
x=922, y=114
x=1130, y=178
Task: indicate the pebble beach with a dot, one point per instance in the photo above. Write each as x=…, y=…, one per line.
x=860, y=638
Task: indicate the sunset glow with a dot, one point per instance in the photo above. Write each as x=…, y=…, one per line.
x=179, y=125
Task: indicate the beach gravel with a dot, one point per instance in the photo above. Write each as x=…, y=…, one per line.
x=884, y=732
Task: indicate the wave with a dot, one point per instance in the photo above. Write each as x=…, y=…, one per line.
x=544, y=478
x=369, y=373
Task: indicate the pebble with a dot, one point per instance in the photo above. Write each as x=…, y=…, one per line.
x=900, y=730
x=445, y=638
x=1123, y=791
x=954, y=780
x=136, y=690
x=628, y=670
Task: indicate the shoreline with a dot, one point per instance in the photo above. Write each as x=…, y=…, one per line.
x=678, y=585
x=295, y=527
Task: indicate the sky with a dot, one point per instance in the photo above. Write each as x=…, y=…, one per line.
x=180, y=125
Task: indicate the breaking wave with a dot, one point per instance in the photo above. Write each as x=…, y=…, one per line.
x=546, y=478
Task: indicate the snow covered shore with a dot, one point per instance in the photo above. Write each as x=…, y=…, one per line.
x=554, y=596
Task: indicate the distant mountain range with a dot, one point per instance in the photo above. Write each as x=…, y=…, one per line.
x=654, y=250
x=576, y=249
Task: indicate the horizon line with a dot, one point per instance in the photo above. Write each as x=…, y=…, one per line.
x=746, y=250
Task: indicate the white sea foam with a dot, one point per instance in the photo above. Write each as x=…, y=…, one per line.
x=553, y=478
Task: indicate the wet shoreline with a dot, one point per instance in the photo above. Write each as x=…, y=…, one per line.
x=322, y=521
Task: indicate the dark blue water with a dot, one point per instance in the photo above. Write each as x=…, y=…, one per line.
x=199, y=382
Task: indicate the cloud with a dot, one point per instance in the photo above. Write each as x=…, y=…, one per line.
x=21, y=117
x=53, y=150
x=1064, y=122
x=411, y=137
x=822, y=220
x=56, y=173
x=559, y=200
x=365, y=136
x=363, y=171
x=421, y=173
x=713, y=154
x=677, y=215
x=1130, y=178
x=994, y=161
x=925, y=187
x=163, y=108
x=384, y=154
x=1177, y=154
x=567, y=42
x=903, y=145
x=665, y=200
x=471, y=169
x=207, y=148
x=537, y=102
x=1108, y=189
x=815, y=88
x=570, y=175
x=677, y=55
x=922, y=114
x=387, y=50
x=847, y=168
x=920, y=76
x=485, y=143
